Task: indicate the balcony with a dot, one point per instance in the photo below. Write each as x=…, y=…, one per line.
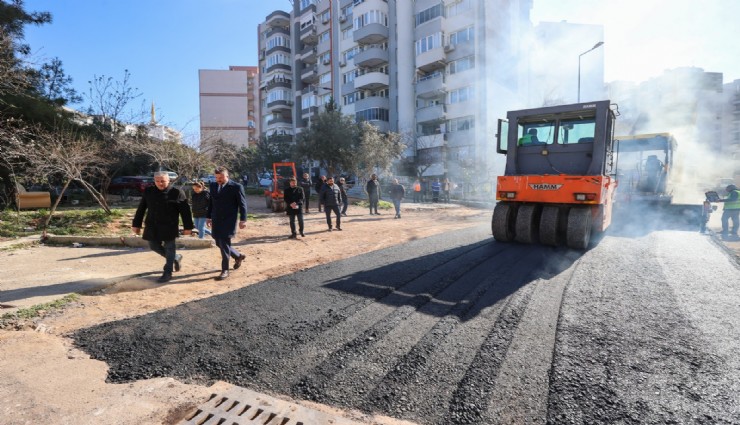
x=432, y=141
x=429, y=113
x=309, y=74
x=372, y=102
x=279, y=105
x=431, y=59
x=277, y=30
x=308, y=35
x=371, y=34
x=277, y=49
x=280, y=120
x=308, y=55
x=276, y=67
x=430, y=86
x=276, y=82
x=311, y=110
x=278, y=18
x=371, y=57
x=372, y=81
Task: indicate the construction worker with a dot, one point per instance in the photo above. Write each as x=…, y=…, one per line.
x=731, y=211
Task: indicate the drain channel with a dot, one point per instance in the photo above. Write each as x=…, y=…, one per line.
x=240, y=406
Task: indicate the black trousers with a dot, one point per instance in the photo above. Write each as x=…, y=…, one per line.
x=299, y=214
x=328, y=209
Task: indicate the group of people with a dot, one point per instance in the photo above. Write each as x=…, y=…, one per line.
x=222, y=209
x=439, y=190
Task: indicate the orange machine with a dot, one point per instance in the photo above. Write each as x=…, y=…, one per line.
x=559, y=182
x=281, y=173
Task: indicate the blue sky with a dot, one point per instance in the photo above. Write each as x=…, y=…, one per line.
x=163, y=43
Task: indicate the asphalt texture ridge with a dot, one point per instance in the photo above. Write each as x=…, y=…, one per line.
x=458, y=329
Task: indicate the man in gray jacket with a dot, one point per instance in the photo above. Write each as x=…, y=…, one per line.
x=331, y=197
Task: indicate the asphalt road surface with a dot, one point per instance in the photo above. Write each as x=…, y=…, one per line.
x=459, y=329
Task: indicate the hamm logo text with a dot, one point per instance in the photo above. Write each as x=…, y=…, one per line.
x=543, y=186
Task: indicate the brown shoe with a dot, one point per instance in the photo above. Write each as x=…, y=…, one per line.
x=238, y=261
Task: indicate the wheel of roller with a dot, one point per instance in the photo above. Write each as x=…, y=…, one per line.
x=527, y=228
x=579, y=228
x=550, y=225
x=502, y=222
x=268, y=201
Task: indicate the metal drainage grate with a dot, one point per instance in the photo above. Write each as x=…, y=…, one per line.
x=240, y=406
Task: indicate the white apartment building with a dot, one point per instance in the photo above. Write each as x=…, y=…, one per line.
x=229, y=109
x=438, y=72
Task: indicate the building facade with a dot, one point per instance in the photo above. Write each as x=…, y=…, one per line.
x=229, y=105
x=437, y=72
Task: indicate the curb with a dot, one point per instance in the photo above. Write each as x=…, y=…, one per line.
x=125, y=241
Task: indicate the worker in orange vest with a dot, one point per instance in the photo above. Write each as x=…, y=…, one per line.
x=417, y=191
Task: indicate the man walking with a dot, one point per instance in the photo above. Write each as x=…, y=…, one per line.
x=163, y=205
x=345, y=197
x=294, y=199
x=228, y=203
x=331, y=198
x=306, y=184
x=397, y=193
x=373, y=193
x=319, y=188
x=731, y=211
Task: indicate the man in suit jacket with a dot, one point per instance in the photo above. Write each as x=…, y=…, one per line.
x=163, y=205
x=228, y=203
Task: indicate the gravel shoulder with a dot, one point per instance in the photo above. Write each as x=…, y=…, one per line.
x=46, y=380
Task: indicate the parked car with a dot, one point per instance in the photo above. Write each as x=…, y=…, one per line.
x=265, y=179
x=129, y=185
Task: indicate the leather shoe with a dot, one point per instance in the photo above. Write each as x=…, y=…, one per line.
x=339, y=228
x=224, y=274
x=238, y=261
x=302, y=235
x=178, y=262
x=293, y=236
x=166, y=277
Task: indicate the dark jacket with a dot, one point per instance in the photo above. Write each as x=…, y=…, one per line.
x=397, y=191
x=163, y=210
x=293, y=194
x=320, y=185
x=343, y=192
x=331, y=195
x=373, y=188
x=200, y=203
x=225, y=208
x=306, y=185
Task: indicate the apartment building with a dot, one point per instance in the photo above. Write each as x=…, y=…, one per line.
x=438, y=72
x=229, y=105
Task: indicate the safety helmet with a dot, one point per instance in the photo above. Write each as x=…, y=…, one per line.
x=731, y=187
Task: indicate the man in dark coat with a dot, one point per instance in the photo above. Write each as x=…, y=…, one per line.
x=345, y=197
x=163, y=205
x=320, y=183
x=373, y=193
x=294, y=199
x=331, y=197
x=306, y=184
x=228, y=203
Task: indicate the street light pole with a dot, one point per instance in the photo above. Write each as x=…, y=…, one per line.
x=596, y=46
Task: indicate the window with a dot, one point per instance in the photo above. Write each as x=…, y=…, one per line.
x=276, y=41
x=275, y=95
x=461, y=124
x=461, y=95
x=348, y=77
x=347, y=10
x=428, y=43
x=306, y=3
x=461, y=65
x=350, y=53
x=464, y=36
x=428, y=14
x=347, y=33
x=371, y=17
x=278, y=58
x=308, y=101
x=325, y=57
x=325, y=78
x=577, y=131
x=326, y=98
x=372, y=114
x=324, y=36
x=326, y=16
x=460, y=6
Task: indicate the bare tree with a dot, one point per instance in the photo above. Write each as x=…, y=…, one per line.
x=61, y=153
x=110, y=99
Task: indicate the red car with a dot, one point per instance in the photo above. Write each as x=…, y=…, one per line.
x=130, y=185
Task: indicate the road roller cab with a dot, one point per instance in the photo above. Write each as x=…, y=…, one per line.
x=558, y=184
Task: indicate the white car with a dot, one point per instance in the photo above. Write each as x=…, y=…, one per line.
x=265, y=180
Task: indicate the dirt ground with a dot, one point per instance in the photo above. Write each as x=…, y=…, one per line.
x=44, y=379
